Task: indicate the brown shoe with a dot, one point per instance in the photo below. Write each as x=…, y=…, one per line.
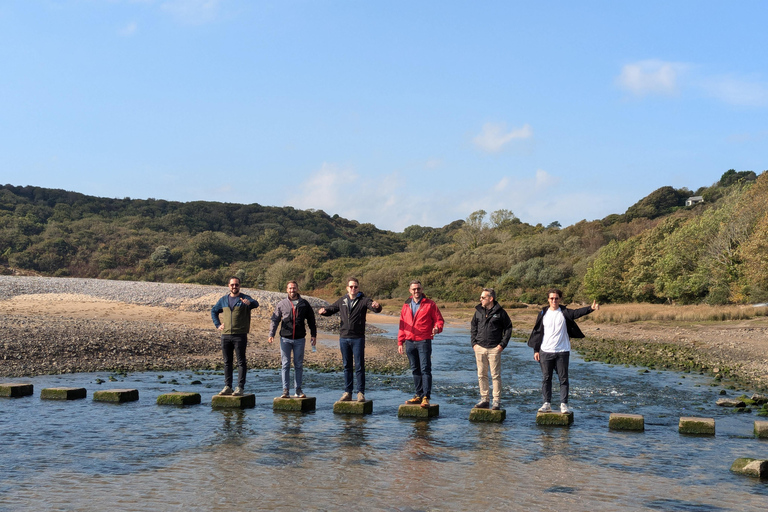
x=360, y=397
x=414, y=401
x=425, y=402
x=346, y=397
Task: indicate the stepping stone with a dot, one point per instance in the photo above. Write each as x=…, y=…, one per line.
x=294, y=404
x=63, y=393
x=617, y=421
x=246, y=401
x=13, y=390
x=761, y=429
x=353, y=407
x=417, y=411
x=116, y=395
x=751, y=467
x=487, y=415
x=554, y=418
x=696, y=426
x=179, y=398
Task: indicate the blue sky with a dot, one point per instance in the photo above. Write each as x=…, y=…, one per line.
x=394, y=113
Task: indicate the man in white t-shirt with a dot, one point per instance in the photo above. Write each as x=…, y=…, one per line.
x=551, y=344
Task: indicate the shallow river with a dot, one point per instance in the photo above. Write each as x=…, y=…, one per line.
x=83, y=455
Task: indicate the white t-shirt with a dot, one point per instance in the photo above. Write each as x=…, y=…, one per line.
x=555, y=333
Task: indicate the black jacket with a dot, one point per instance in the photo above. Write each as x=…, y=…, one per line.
x=352, y=313
x=491, y=328
x=537, y=334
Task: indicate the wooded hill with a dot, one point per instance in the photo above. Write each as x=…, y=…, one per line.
x=658, y=250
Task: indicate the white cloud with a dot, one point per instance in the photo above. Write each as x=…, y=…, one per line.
x=545, y=180
x=736, y=91
x=651, y=77
x=192, y=12
x=493, y=137
x=128, y=30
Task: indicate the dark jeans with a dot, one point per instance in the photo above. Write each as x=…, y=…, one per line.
x=234, y=343
x=353, y=349
x=420, y=356
x=557, y=361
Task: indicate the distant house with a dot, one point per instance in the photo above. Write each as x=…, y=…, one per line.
x=694, y=200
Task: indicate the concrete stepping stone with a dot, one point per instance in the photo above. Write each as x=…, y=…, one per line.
x=487, y=415
x=63, y=393
x=417, y=411
x=353, y=407
x=761, y=429
x=696, y=426
x=618, y=421
x=750, y=467
x=554, y=418
x=245, y=401
x=179, y=398
x=294, y=404
x=16, y=390
x=116, y=395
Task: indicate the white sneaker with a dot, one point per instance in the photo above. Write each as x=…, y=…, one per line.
x=238, y=391
x=226, y=391
x=564, y=409
x=546, y=407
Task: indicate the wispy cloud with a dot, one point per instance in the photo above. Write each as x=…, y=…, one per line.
x=651, y=77
x=737, y=91
x=192, y=12
x=128, y=29
x=494, y=136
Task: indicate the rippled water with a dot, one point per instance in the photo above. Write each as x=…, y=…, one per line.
x=82, y=455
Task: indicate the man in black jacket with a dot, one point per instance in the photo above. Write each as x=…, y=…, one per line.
x=352, y=309
x=491, y=329
x=293, y=312
x=551, y=344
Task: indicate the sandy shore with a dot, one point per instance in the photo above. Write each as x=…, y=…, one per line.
x=54, y=325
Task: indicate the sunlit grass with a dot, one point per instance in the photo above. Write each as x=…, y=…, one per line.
x=627, y=313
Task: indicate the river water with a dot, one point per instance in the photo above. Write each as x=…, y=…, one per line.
x=83, y=455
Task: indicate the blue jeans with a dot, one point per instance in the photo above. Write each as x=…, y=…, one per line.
x=557, y=361
x=234, y=344
x=297, y=345
x=353, y=349
x=420, y=356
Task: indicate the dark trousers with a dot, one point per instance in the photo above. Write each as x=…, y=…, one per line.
x=557, y=361
x=353, y=350
x=234, y=343
x=420, y=356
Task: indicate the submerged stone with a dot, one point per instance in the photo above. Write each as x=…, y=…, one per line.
x=179, y=398
x=761, y=429
x=554, y=418
x=63, y=393
x=751, y=467
x=14, y=390
x=294, y=404
x=487, y=415
x=759, y=399
x=696, y=426
x=617, y=421
x=116, y=395
x=730, y=402
x=353, y=407
x=246, y=401
x=417, y=411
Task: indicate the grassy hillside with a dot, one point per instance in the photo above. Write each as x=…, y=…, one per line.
x=658, y=250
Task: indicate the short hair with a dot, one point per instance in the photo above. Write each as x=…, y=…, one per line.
x=354, y=279
x=491, y=292
x=555, y=290
x=291, y=282
x=234, y=277
x=415, y=281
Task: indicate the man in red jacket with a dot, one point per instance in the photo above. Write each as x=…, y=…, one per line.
x=420, y=320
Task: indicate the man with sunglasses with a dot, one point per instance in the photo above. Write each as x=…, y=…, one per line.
x=490, y=331
x=352, y=309
x=235, y=310
x=420, y=321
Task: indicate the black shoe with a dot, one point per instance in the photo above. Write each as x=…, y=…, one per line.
x=482, y=405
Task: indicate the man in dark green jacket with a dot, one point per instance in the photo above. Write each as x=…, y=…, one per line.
x=490, y=331
x=235, y=310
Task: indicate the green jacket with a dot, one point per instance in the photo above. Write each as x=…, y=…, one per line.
x=236, y=320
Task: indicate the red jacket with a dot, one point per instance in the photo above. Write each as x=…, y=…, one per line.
x=419, y=328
